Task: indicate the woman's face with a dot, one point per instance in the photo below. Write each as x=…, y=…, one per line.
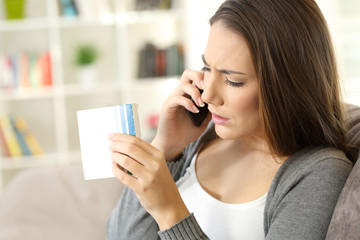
x=230, y=85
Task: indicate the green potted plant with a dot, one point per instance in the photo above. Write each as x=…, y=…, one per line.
x=85, y=59
x=14, y=9
x=86, y=54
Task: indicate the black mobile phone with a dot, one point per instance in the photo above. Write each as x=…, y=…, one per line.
x=198, y=118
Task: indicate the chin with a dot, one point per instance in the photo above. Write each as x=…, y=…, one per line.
x=227, y=133
x=234, y=133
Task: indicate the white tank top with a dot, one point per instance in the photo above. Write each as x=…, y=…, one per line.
x=221, y=220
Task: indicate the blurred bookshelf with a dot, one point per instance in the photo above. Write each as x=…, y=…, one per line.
x=48, y=101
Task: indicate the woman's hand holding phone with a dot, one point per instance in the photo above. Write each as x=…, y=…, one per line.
x=176, y=129
x=198, y=117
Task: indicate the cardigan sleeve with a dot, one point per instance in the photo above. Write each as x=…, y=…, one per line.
x=130, y=221
x=187, y=228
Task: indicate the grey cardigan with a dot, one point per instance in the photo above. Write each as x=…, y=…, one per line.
x=299, y=203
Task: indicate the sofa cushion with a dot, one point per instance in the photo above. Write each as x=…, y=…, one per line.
x=57, y=204
x=346, y=217
x=353, y=134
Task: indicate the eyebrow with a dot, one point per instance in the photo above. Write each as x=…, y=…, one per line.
x=225, y=71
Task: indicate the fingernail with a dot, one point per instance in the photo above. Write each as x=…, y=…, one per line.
x=195, y=109
x=111, y=135
x=201, y=103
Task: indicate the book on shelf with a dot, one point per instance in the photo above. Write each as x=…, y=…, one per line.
x=4, y=149
x=24, y=70
x=24, y=73
x=11, y=142
x=16, y=139
x=157, y=62
x=152, y=4
x=25, y=150
x=30, y=139
x=68, y=8
x=84, y=8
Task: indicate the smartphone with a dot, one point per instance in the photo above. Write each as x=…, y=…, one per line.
x=198, y=118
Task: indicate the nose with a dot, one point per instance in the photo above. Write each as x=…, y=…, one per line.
x=212, y=89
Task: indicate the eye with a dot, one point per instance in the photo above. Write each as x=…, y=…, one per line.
x=205, y=69
x=233, y=84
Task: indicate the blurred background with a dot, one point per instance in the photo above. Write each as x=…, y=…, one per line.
x=61, y=56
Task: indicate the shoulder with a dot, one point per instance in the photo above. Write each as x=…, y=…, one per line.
x=312, y=167
x=313, y=161
x=305, y=189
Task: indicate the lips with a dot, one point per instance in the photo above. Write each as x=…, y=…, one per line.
x=218, y=120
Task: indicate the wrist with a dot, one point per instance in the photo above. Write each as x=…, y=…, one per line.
x=172, y=217
x=170, y=152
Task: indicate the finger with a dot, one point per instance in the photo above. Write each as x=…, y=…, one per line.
x=134, y=168
x=129, y=149
x=190, y=91
x=129, y=139
x=186, y=103
x=123, y=176
x=193, y=77
x=126, y=161
x=129, y=165
x=132, y=181
x=132, y=153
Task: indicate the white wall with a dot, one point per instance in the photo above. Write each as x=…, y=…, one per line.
x=197, y=29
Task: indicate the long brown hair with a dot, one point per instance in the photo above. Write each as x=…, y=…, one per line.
x=293, y=56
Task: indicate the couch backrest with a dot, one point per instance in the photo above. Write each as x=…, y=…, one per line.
x=346, y=218
x=353, y=135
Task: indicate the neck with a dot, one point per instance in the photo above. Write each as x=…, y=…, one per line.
x=255, y=145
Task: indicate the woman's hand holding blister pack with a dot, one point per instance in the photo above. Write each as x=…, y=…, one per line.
x=142, y=167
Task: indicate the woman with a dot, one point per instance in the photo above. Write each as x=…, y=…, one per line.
x=268, y=162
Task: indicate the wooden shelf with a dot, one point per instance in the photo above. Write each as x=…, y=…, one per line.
x=24, y=25
x=21, y=94
x=77, y=22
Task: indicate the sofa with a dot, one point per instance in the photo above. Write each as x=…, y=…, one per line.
x=58, y=204
x=345, y=221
